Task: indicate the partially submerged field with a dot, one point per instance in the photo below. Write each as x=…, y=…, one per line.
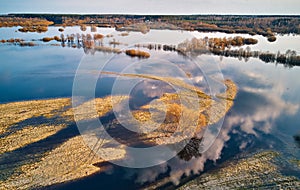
x=41, y=145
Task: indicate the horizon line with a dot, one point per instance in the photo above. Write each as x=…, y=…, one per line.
x=158, y=14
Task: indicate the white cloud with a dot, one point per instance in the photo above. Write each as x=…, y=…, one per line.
x=265, y=114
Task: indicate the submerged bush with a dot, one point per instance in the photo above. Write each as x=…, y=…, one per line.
x=98, y=36
x=137, y=53
x=42, y=29
x=83, y=28
x=271, y=38
x=124, y=34
x=57, y=38
x=27, y=44
x=38, y=29
x=47, y=39
x=250, y=41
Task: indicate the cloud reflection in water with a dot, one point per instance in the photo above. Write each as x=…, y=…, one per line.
x=257, y=107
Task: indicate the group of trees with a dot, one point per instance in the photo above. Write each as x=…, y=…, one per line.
x=81, y=40
x=195, y=47
x=28, y=24
x=222, y=43
x=261, y=25
x=290, y=57
x=206, y=43
x=267, y=26
x=90, y=43
x=24, y=22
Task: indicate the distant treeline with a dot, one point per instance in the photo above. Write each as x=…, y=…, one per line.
x=249, y=24
x=289, y=59
x=222, y=47
x=196, y=47
x=226, y=47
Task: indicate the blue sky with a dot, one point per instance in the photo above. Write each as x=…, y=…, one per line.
x=153, y=6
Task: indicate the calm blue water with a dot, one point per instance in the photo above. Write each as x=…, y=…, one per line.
x=36, y=73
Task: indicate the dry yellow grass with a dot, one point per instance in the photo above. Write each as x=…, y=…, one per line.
x=187, y=119
x=72, y=159
x=27, y=135
x=13, y=113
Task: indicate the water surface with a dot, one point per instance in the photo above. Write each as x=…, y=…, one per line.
x=265, y=115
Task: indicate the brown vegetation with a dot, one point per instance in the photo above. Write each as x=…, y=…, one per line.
x=124, y=34
x=47, y=39
x=213, y=44
x=57, y=38
x=83, y=28
x=192, y=118
x=18, y=41
x=271, y=38
x=137, y=53
x=14, y=40
x=30, y=44
x=98, y=36
x=27, y=24
x=38, y=29
x=107, y=49
x=261, y=25
x=24, y=22
x=55, y=156
x=221, y=43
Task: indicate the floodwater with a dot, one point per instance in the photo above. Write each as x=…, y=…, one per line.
x=265, y=115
